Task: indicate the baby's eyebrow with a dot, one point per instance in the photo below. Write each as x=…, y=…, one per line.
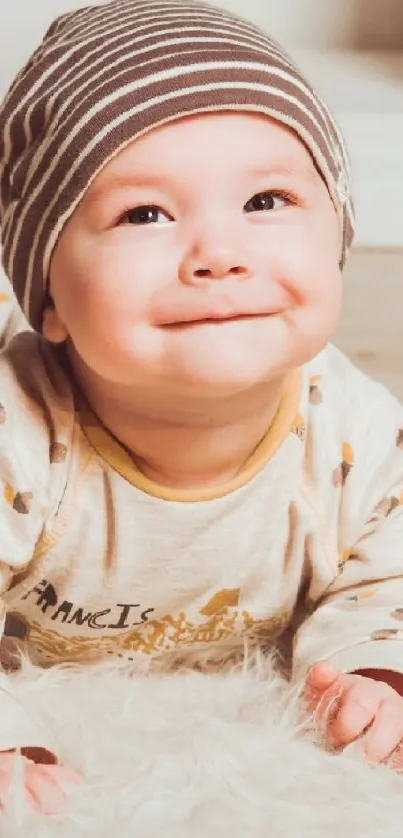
x=299, y=172
x=120, y=182
x=140, y=180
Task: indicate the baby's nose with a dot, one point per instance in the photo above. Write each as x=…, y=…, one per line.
x=221, y=270
x=212, y=258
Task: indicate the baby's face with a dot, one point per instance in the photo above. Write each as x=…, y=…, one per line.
x=203, y=259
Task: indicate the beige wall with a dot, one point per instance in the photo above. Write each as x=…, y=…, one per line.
x=335, y=24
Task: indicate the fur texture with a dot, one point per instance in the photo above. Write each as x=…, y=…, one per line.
x=196, y=756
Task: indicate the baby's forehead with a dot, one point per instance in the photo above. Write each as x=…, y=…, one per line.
x=249, y=143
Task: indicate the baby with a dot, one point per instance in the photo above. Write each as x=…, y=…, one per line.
x=188, y=469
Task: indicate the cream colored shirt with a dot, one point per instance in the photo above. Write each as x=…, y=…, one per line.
x=97, y=562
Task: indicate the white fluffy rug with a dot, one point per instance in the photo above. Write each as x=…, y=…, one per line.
x=192, y=756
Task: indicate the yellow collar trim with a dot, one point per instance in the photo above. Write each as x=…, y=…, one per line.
x=120, y=460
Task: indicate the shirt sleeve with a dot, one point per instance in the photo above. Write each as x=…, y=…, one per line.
x=30, y=482
x=357, y=620
x=12, y=319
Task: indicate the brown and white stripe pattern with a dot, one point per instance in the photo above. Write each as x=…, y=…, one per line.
x=107, y=74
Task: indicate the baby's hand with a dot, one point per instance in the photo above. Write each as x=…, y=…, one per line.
x=353, y=706
x=45, y=786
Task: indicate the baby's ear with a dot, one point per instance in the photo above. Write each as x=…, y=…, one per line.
x=53, y=328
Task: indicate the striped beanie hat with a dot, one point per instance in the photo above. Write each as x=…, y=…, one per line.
x=108, y=73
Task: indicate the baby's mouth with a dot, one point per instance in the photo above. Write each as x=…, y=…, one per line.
x=217, y=320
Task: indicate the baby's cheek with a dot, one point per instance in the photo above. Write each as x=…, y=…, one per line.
x=315, y=319
x=324, y=290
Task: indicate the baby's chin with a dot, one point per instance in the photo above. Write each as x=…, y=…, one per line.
x=217, y=377
x=228, y=359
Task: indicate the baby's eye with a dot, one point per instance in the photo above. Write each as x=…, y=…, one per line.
x=147, y=214
x=264, y=201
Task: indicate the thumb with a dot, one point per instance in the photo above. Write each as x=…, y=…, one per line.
x=322, y=677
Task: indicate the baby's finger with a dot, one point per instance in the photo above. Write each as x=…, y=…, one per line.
x=395, y=759
x=47, y=792
x=323, y=678
x=356, y=712
x=13, y=787
x=6, y=798
x=385, y=734
x=62, y=775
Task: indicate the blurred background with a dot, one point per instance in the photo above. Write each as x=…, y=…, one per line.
x=352, y=52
